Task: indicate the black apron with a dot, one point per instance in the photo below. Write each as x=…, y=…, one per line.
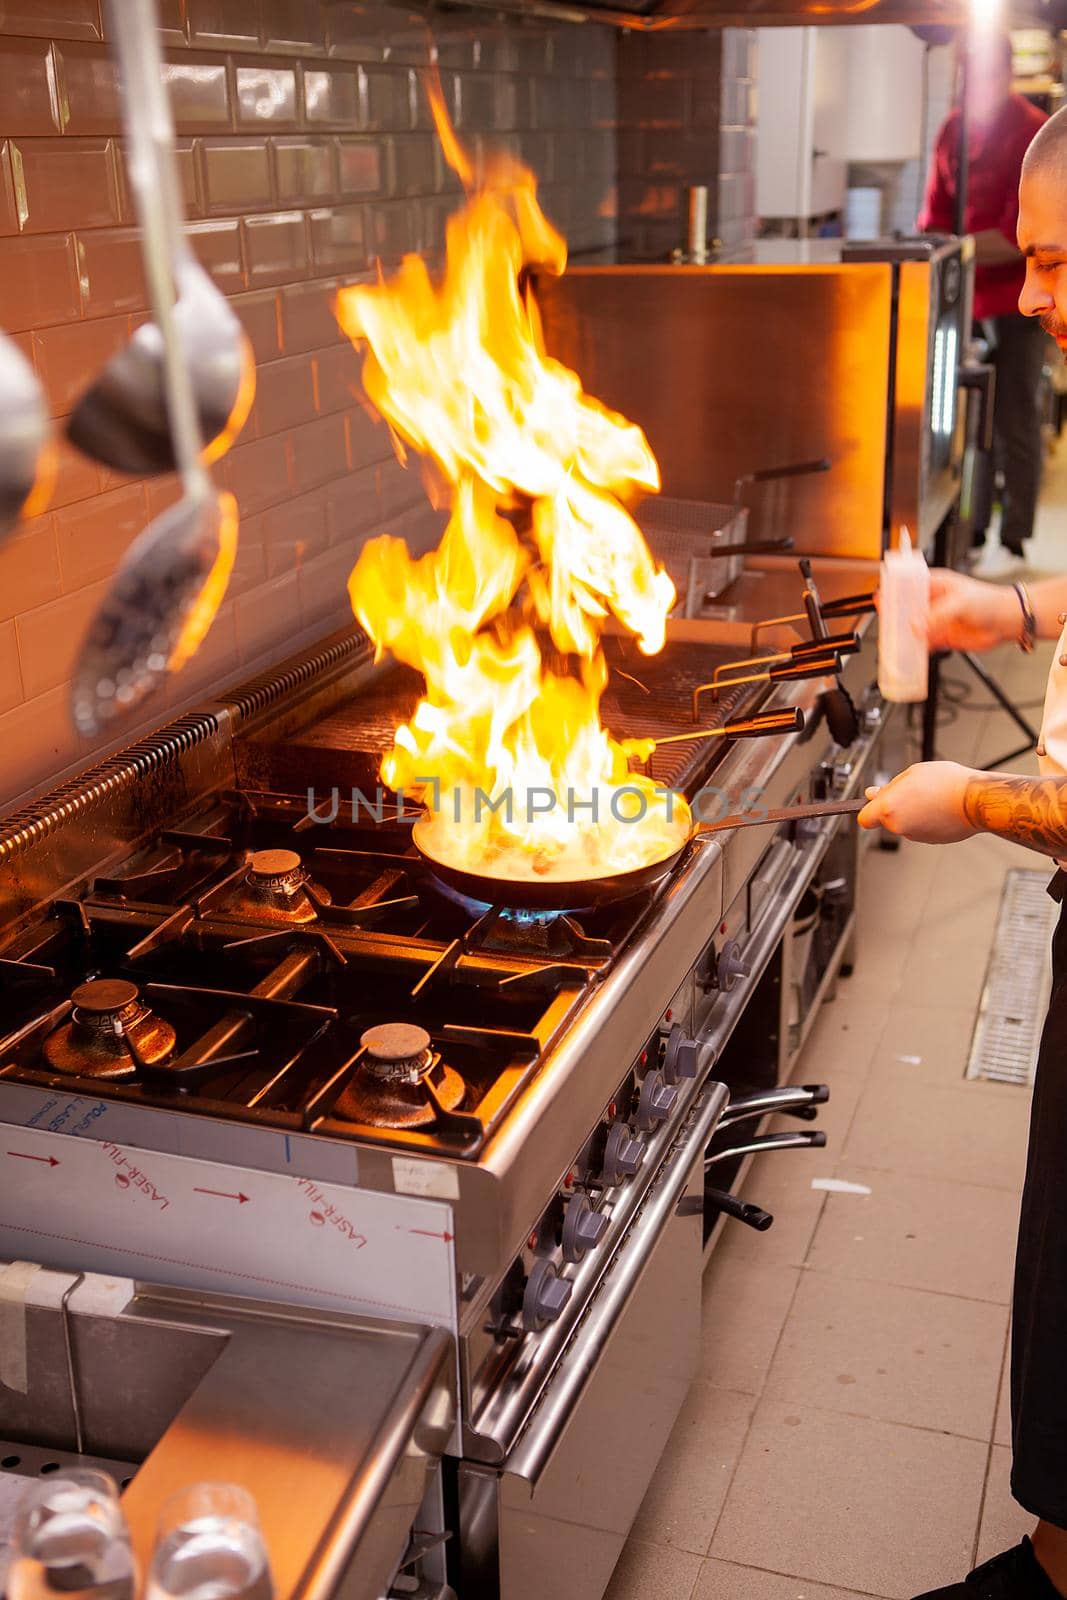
x=1039, y=1313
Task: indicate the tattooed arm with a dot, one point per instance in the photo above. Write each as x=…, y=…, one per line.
x=939, y=802
x=1030, y=811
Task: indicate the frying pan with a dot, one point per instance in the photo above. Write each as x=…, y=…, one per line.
x=586, y=894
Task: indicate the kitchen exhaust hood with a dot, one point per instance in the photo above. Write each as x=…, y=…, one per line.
x=659, y=15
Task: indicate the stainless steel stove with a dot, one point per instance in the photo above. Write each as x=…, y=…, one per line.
x=251, y=1046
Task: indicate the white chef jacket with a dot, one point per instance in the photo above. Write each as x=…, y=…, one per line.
x=1052, y=741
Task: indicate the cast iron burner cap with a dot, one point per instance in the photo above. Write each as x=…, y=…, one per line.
x=275, y=869
x=276, y=887
x=111, y=1031
x=104, y=997
x=397, y=1049
x=398, y=1081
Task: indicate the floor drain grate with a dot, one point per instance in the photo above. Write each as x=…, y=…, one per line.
x=1018, y=983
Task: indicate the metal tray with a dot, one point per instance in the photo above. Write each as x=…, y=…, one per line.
x=683, y=536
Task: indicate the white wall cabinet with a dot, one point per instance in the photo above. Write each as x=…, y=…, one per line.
x=828, y=96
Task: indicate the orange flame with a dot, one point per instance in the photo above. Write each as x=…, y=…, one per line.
x=539, y=548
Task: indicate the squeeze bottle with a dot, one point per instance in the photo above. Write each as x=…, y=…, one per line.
x=903, y=607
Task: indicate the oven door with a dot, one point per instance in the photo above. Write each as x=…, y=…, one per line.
x=553, y=1519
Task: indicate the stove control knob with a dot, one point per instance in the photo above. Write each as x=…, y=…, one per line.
x=656, y=1101
x=623, y=1154
x=731, y=966
x=680, y=1057
x=545, y=1297
x=583, y=1228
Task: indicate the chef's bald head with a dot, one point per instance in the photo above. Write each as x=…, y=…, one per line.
x=1042, y=233
x=1047, y=155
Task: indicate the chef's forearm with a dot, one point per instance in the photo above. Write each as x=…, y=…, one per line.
x=1029, y=811
x=1049, y=600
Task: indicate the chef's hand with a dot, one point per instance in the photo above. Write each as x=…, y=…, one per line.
x=966, y=614
x=924, y=803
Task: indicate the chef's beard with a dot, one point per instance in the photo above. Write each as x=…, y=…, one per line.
x=1054, y=328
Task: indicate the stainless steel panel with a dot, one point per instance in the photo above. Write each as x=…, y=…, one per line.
x=732, y=368
x=332, y=1422
x=515, y=1379
x=563, y=1534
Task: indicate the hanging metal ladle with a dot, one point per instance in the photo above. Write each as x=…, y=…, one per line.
x=171, y=581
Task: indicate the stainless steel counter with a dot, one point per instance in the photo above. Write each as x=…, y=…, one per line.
x=332, y=1422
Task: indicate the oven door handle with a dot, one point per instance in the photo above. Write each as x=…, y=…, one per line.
x=548, y=1422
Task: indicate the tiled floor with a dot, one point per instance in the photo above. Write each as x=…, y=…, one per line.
x=848, y=1432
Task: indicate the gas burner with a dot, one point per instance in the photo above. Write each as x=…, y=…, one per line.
x=399, y=1081
x=276, y=887
x=110, y=1034
x=479, y=908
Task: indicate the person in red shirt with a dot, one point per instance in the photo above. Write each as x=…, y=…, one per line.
x=1000, y=127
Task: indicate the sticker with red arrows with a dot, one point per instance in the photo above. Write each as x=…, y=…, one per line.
x=130, y=1178
x=107, y=1207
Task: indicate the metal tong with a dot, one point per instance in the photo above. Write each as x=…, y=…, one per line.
x=817, y=611
x=811, y=658
x=754, y=727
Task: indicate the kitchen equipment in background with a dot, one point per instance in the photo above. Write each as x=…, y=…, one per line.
x=531, y=1181
x=27, y=455
x=171, y=581
x=870, y=336
x=703, y=545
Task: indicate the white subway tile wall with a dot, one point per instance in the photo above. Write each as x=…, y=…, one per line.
x=307, y=158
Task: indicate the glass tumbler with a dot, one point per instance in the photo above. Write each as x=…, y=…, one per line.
x=71, y=1538
x=209, y=1547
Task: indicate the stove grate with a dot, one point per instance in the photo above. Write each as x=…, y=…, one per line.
x=1018, y=983
x=646, y=697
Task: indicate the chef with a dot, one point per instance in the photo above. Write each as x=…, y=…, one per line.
x=940, y=802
